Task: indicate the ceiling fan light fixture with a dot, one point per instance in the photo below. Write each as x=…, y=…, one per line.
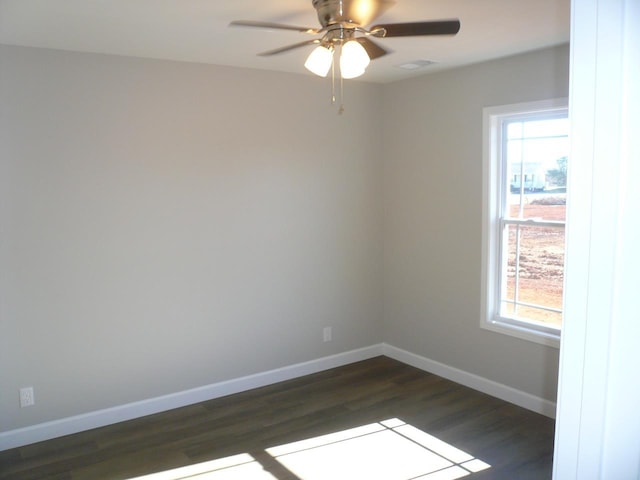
x=353, y=59
x=320, y=60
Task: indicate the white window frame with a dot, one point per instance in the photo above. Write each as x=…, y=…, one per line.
x=492, y=192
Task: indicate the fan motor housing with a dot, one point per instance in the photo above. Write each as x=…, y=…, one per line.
x=332, y=12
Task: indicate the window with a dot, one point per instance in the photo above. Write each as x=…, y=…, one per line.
x=524, y=187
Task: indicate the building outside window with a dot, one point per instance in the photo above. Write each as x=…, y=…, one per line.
x=525, y=164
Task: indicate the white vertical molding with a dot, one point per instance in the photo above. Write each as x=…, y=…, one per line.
x=579, y=178
x=621, y=456
x=597, y=367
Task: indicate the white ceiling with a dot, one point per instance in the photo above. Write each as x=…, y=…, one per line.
x=197, y=30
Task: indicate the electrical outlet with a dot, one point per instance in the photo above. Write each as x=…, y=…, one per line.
x=326, y=334
x=26, y=397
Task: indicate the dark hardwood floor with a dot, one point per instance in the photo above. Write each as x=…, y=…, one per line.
x=514, y=442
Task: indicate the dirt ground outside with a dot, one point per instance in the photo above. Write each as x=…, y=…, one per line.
x=541, y=265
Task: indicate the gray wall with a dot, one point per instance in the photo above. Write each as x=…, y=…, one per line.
x=170, y=225
x=432, y=216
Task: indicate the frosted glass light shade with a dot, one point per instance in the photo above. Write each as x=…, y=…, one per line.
x=353, y=59
x=319, y=61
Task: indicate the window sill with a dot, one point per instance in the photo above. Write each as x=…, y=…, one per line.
x=513, y=328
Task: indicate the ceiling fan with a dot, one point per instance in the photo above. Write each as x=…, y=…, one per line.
x=345, y=26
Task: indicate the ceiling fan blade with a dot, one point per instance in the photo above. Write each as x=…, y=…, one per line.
x=439, y=27
x=273, y=26
x=289, y=47
x=363, y=12
x=373, y=49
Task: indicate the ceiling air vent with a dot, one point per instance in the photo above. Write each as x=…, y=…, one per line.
x=416, y=64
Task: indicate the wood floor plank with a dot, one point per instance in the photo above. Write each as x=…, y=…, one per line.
x=517, y=443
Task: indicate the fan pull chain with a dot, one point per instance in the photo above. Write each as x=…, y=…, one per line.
x=333, y=81
x=341, y=109
x=333, y=87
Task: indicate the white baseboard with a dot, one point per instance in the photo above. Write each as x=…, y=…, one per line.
x=484, y=385
x=109, y=416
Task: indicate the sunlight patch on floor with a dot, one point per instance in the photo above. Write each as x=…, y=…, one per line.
x=236, y=467
x=387, y=450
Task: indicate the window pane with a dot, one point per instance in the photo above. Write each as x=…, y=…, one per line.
x=534, y=273
x=536, y=165
x=552, y=319
x=547, y=128
x=514, y=130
